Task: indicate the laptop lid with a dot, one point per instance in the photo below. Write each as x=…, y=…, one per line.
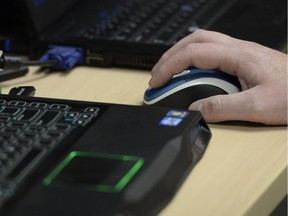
x=40, y=14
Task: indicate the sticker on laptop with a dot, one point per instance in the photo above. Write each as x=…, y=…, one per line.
x=171, y=121
x=180, y=114
x=173, y=118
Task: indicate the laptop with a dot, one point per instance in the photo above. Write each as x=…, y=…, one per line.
x=135, y=33
x=64, y=157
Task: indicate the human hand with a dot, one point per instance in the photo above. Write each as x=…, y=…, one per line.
x=262, y=73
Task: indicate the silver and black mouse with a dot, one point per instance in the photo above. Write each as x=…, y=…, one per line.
x=191, y=85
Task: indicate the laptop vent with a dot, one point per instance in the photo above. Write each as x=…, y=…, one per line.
x=143, y=62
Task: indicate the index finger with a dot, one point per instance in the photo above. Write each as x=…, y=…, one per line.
x=202, y=55
x=199, y=36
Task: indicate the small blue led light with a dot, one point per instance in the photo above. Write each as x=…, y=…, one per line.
x=102, y=15
x=39, y=2
x=186, y=8
x=7, y=46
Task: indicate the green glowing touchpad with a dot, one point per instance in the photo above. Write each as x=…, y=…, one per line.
x=93, y=171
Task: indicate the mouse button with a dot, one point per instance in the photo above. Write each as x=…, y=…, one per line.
x=197, y=73
x=151, y=94
x=232, y=79
x=209, y=90
x=225, y=77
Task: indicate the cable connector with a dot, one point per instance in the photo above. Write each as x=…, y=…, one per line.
x=9, y=62
x=66, y=57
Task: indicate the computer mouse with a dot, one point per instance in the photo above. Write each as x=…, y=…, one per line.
x=191, y=85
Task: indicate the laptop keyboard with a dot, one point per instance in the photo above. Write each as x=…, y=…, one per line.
x=29, y=131
x=147, y=21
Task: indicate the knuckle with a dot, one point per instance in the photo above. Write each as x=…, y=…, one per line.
x=190, y=47
x=163, y=68
x=214, y=106
x=165, y=56
x=199, y=32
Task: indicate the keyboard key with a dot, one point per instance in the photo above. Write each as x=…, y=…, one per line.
x=36, y=129
x=71, y=114
x=18, y=124
x=3, y=156
x=86, y=116
x=93, y=110
x=17, y=103
x=11, y=130
x=11, y=111
x=6, y=136
x=81, y=122
x=45, y=142
x=59, y=106
x=30, y=135
x=54, y=134
x=48, y=118
x=4, y=118
x=61, y=127
x=38, y=105
x=22, y=143
x=28, y=114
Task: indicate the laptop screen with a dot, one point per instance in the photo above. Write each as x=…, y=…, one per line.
x=44, y=12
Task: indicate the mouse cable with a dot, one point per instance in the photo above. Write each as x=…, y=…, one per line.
x=15, y=62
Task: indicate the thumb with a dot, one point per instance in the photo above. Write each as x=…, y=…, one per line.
x=225, y=107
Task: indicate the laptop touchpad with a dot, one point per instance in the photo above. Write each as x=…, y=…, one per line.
x=93, y=171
